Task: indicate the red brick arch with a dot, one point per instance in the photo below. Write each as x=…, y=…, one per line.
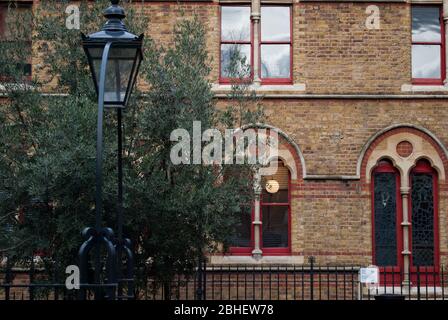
x=401, y=129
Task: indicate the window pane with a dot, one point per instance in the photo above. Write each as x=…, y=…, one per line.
x=275, y=61
x=235, y=23
x=422, y=220
x=242, y=233
x=385, y=212
x=2, y=20
x=275, y=23
x=118, y=72
x=426, y=61
x=275, y=226
x=235, y=60
x=281, y=179
x=425, y=24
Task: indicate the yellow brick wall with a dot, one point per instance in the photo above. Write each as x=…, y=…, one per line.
x=333, y=53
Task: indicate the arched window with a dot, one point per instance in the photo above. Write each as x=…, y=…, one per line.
x=386, y=215
x=388, y=220
x=274, y=213
x=423, y=215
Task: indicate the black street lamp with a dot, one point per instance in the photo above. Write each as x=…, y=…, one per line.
x=114, y=57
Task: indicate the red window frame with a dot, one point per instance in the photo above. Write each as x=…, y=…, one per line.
x=387, y=167
x=280, y=250
x=277, y=80
x=441, y=43
x=391, y=274
x=425, y=167
x=246, y=251
x=227, y=80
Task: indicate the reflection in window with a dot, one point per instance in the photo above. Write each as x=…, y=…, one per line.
x=275, y=42
x=426, y=61
x=235, y=23
x=275, y=61
x=425, y=24
x=235, y=42
x=235, y=60
x=427, y=45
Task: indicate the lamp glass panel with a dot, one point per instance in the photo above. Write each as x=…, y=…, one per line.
x=118, y=73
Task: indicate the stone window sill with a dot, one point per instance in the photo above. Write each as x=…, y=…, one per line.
x=249, y=260
x=423, y=88
x=266, y=90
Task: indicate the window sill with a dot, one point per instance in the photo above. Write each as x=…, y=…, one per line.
x=14, y=86
x=424, y=88
x=265, y=90
x=249, y=260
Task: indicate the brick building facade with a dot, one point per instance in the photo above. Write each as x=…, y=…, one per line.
x=357, y=90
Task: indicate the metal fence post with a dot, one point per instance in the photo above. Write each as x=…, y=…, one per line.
x=311, y=260
x=199, y=288
x=31, y=275
x=204, y=290
x=8, y=277
x=418, y=282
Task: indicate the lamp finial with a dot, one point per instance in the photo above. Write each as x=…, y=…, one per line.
x=114, y=15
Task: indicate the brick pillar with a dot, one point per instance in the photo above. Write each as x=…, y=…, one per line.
x=256, y=16
x=405, y=224
x=445, y=21
x=256, y=253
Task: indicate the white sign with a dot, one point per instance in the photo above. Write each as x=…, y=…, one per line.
x=369, y=275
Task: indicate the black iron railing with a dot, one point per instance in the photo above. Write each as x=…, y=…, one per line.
x=242, y=282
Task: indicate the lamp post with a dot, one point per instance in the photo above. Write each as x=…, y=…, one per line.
x=114, y=57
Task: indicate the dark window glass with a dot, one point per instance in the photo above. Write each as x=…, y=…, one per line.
x=385, y=215
x=275, y=226
x=243, y=229
x=275, y=217
x=2, y=20
x=425, y=24
x=422, y=219
x=15, y=41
